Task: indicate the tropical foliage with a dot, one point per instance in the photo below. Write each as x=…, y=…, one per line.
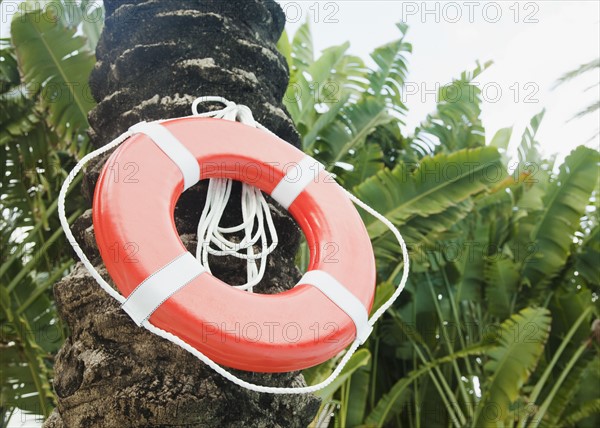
x=44, y=68
x=493, y=328
x=593, y=65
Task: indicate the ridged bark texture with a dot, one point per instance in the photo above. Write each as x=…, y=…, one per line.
x=154, y=58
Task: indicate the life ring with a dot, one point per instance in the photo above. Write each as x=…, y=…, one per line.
x=165, y=285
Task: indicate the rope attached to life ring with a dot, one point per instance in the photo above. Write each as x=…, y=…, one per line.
x=242, y=113
x=255, y=211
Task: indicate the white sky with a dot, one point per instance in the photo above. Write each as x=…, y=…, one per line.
x=531, y=44
x=531, y=55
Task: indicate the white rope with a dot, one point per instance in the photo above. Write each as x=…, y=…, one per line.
x=255, y=211
x=179, y=342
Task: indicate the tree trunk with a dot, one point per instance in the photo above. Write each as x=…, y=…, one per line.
x=154, y=58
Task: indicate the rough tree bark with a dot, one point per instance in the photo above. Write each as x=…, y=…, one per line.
x=154, y=58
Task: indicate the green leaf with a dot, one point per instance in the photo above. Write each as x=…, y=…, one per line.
x=565, y=203
x=571, y=316
x=502, y=278
x=360, y=359
x=584, y=410
x=302, y=48
x=357, y=397
x=529, y=148
x=285, y=48
x=92, y=22
x=317, y=85
x=439, y=183
x=57, y=62
x=324, y=120
x=456, y=123
x=564, y=388
x=391, y=403
x=382, y=293
x=323, y=83
x=502, y=138
x=587, y=256
x=17, y=116
x=519, y=345
x=388, y=80
x=355, y=122
x=584, y=68
x=366, y=161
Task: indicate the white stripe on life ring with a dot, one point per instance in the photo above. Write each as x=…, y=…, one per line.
x=297, y=177
x=173, y=148
x=344, y=299
x=162, y=284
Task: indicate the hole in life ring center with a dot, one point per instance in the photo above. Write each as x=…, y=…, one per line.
x=281, y=273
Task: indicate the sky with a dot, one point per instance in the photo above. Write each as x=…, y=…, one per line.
x=530, y=43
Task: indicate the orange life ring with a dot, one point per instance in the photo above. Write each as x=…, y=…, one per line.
x=136, y=235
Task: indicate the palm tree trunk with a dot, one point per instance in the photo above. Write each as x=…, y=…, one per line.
x=154, y=58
